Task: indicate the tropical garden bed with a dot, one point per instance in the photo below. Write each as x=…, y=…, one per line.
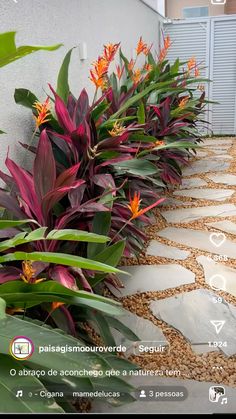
x=99, y=169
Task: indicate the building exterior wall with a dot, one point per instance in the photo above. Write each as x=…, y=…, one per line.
x=95, y=22
x=230, y=7
x=174, y=8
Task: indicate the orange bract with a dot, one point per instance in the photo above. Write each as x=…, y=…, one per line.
x=28, y=275
x=197, y=72
x=136, y=76
x=110, y=51
x=183, y=102
x=191, y=63
x=117, y=129
x=119, y=71
x=131, y=65
x=142, y=47
x=134, y=204
x=43, y=110
x=56, y=305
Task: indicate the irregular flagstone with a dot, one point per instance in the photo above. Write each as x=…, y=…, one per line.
x=223, y=142
x=146, y=278
x=198, y=239
x=226, y=179
x=197, y=401
x=144, y=329
x=201, y=154
x=227, y=226
x=207, y=193
x=186, y=215
x=204, y=166
x=170, y=201
x=223, y=157
x=156, y=248
x=217, y=275
x=192, y=312
x=193, y=182
x=219, y=151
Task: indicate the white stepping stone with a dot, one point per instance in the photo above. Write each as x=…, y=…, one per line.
x=205, y=166
x=207, y=193
x=218, y=276
x=226, y=179
x=197, y=401
x=146, y=278
x=201, y=154
x=186, y=215
x=193, y=182
x=225, y=226
x=156, y=248
x=223, y=157
x=192, y=314
x=198, y=239
x=170, y=202
x=144, y=329
x=219, y=151
x=224, y=142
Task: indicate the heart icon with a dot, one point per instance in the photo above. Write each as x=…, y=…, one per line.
x=217, y=239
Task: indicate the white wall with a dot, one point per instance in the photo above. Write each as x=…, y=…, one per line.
x=68, y=21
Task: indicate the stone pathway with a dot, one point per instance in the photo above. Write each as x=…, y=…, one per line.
x=182, y=291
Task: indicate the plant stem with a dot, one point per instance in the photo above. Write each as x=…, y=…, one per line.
x=118, y=232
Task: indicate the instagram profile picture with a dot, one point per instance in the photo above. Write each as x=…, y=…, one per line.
x=21, y=348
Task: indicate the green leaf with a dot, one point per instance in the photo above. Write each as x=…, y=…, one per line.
x=2, y=308
x=2, y=132
x=118, y=325
x=142, y=138
x=137, y=167
x=8, y=386
x=9, y=52
x=15, y=223
x=104, y=329
x=42, y=337
x=99, y=110
x=77, y=235
x=101, y=225
x=174, y=144
x=112, y=255
x=61, y=259
x=40, y=234
x=141, y=113
x=20, y=294
x=63, y=88
x=25, y=98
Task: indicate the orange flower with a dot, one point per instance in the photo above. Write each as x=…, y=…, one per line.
x=98, y=75
x=43, y=110
x=196, y=72
x=134, y=205
x=28, y=275
x=56, y=305
x=164, y=50
x=136, y=76
x=147, y=67
x=141, y=47
x=119, y=71
x=131, y=65
x=183, y=102
x=191, y=63
x=159, y=143
x=163, y=54
x=167, y=42
x=109, y=51
x=117, y=129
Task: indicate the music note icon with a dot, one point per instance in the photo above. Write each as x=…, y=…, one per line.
x=224, y=400
x=19, y=393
